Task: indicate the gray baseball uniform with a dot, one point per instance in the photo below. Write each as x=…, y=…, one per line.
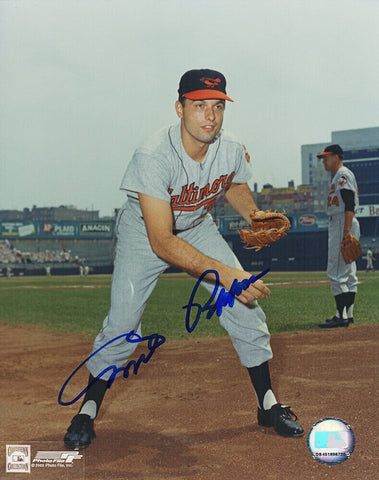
x=162, y=169
x=342, y=276
x=370, y=258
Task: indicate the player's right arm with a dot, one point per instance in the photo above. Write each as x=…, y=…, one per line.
x=157, y=215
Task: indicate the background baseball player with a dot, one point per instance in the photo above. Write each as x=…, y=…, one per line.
x=370, y=259
x=341, y=205
x=171, y=184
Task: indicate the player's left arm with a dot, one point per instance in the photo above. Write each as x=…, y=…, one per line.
x=241, y=199
x=348, y=199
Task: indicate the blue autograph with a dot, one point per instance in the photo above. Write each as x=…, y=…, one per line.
x=153, y=342
x=224, y=297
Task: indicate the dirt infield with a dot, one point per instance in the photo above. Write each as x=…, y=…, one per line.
x=190, y=412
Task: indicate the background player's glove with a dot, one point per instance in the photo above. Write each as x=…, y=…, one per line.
x=350, y=248
x=266, y=227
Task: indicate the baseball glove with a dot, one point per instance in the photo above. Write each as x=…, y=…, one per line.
x=350, y=248
x=266, y=227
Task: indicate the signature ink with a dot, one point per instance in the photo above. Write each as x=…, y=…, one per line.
x=225, y=297
x=153, y=342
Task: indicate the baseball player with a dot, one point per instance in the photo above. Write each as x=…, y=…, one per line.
x=171, y=184
x=341, y=207
x=370, y=260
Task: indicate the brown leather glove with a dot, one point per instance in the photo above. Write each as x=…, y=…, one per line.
x=350, y=248
x=266, y=227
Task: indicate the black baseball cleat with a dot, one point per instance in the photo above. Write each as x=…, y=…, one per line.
x=279, y=417
x=79, y=433
x=335, y=322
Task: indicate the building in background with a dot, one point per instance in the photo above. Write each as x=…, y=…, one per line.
x=222, y=207
x=51, y=214
x=289, y=199
x=361, y=156
x=361, y=148
x=11, y=215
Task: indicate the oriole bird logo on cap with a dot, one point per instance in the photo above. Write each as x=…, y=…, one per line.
x=210, y=82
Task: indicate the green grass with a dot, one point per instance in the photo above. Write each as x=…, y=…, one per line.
x=58, y=304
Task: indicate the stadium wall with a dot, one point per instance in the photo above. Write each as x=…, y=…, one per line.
x=92, y=243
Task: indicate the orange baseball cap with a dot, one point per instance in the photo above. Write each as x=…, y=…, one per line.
x=203, y=84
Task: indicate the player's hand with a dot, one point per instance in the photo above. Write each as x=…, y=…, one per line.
x=256, y=290
x=259, y=290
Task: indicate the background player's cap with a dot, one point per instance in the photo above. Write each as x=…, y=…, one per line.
x=203, y=84
x=334, y=149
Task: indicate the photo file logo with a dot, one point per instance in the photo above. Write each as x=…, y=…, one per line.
x=57, y=456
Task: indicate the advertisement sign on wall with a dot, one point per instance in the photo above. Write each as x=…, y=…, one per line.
x=45, y=230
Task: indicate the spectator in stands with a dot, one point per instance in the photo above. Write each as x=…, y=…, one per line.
x=10, y=255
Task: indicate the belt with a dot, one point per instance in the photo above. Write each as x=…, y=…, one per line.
x=176, y=231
